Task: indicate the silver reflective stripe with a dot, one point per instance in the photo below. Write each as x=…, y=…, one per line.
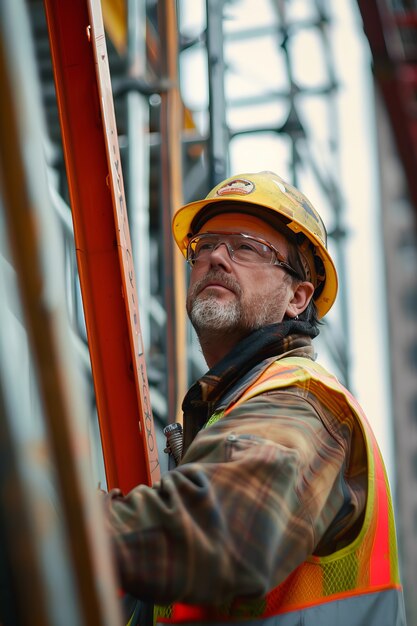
x=372, y=609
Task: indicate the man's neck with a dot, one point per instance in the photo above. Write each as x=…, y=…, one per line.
x=215, y=344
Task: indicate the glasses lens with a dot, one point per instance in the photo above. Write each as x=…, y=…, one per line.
x=249, y=250
x=242, y=248
x=201, y=246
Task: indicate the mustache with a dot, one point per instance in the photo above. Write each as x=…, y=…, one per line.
x=221, y=278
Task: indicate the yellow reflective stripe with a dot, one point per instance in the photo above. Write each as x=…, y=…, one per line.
x=215, y=418
x=290, y=370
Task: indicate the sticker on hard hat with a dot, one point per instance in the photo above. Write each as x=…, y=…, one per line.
x=239, y=186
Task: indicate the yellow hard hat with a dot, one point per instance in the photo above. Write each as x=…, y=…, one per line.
x=267, y=190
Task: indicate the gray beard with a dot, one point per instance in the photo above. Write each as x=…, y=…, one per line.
x=210, y=315
x=207, y=314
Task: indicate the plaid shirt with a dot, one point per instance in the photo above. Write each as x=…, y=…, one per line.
x=275, y=480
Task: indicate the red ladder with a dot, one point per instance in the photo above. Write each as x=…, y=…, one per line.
x=102, y=240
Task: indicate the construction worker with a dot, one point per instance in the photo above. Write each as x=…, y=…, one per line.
x=279, y=511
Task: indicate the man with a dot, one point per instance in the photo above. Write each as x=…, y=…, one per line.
x=279, y=511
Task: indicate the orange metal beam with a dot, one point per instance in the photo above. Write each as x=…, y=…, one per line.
x=102, y=240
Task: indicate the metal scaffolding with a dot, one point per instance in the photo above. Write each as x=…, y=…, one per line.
x=174, y=149
x=200, y=95
x=247, y=105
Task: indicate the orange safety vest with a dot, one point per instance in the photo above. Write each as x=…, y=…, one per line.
x=357, y=585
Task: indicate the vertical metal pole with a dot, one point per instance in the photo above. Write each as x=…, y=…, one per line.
x=219, y=135
x=171, y=199
x=76, y=539
x=138, y=161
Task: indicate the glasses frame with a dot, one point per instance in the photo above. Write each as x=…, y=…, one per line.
x=277, y=258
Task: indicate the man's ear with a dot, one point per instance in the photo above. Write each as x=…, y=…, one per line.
x=302, y=295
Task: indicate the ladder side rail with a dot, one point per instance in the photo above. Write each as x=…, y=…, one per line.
x=102, y=241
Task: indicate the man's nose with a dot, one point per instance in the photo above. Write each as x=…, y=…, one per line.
x=220, y=255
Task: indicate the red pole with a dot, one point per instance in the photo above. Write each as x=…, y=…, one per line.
x=102, y=241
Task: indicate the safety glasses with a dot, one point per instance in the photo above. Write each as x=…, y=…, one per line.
x=242, y=248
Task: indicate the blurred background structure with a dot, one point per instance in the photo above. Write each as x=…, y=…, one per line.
x=321, y=91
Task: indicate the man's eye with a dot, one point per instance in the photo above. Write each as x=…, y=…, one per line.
x=246, y=247
x=204, y=247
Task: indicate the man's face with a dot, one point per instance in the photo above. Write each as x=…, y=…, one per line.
x=227, y=296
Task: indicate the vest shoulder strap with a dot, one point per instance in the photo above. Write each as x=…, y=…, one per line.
x=287, y=372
